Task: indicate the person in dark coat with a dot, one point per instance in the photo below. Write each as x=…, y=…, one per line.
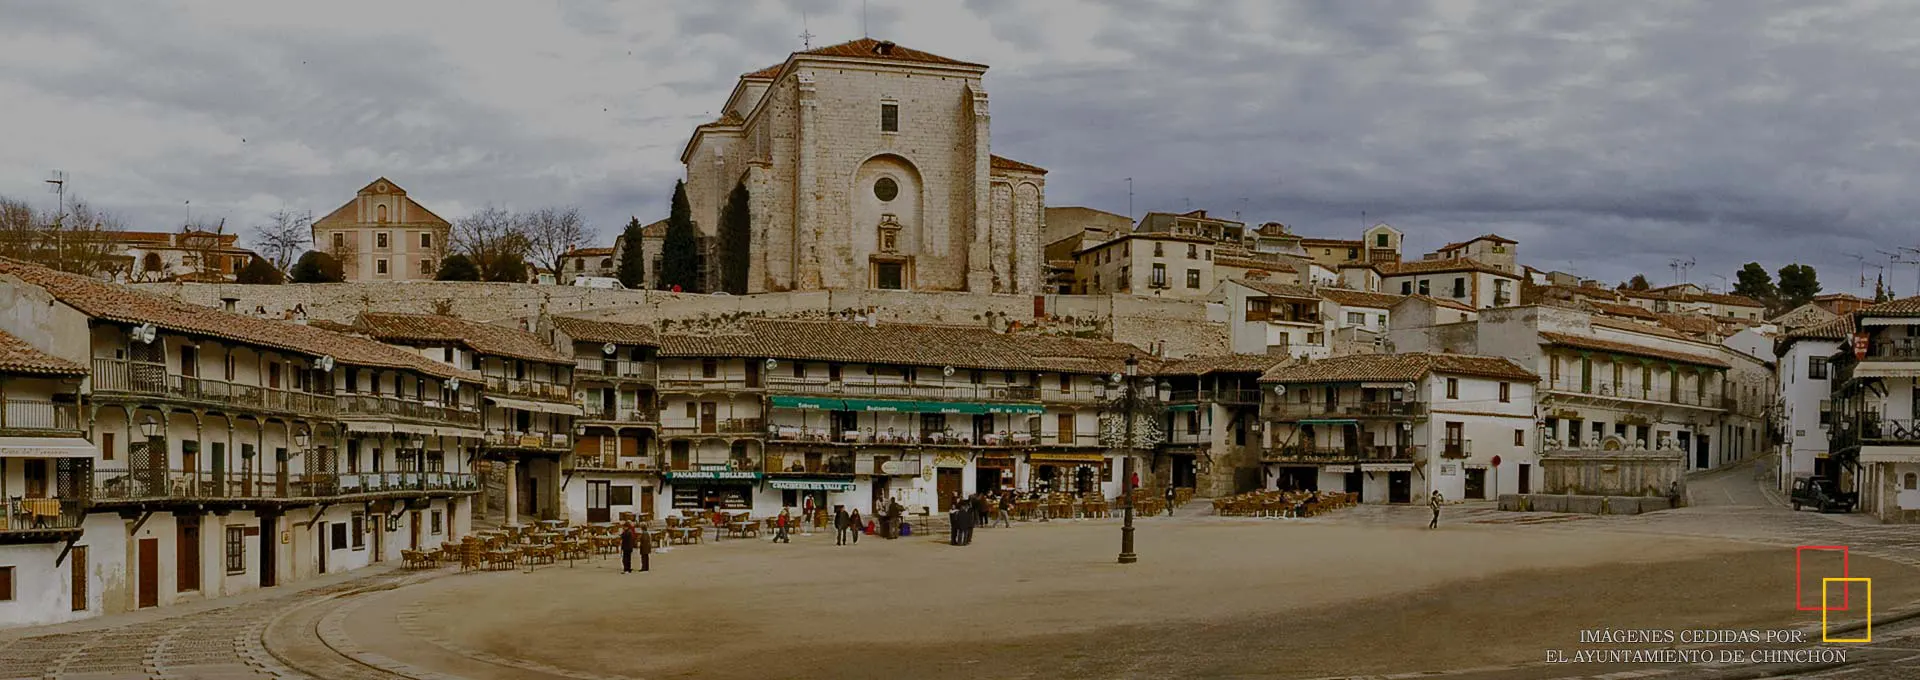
x=953, y=525
x=645, y=543
x=841, y=523
x=627, y=544
x=859, y=527
x=1170, y=493
x=894, y=511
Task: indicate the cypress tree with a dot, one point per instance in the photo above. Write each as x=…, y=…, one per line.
x=680, y=251
x=632, y=271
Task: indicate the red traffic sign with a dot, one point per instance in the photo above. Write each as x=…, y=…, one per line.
x=1859, y=346
x=1496, y=461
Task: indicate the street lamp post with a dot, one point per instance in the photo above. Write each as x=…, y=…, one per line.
x=1130, y=401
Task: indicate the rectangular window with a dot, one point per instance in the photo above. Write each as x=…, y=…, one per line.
x=1506, y=392
x=1259, y=309
x=1159, y=275
x=709, y=368
x=1209, y=254
x=106, y=446
x=1353, y=253
x=620, y=495
x=1379, y=240
x=1066, y=383
x=236, y=550
x=339, y=536
x=439, y=519
x=1193, y=278
x=1356, y=319
x=1159, y=249
x=1459, y=286
x=1064, y=426
x=1406, y=287
x=1193, y=251
x=426, y=267
x=1816, y=368
x=1424, y=290
x=380, y=239
x=359, y=531
x=339, y=242
x=889, y=117
x=426, y=239
x=379, y=266
x=1453, y=388
x=6, y=584
x=1519, y=437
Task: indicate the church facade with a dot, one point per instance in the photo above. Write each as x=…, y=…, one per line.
x=869, y=166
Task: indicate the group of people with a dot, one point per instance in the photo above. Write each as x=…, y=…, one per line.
x=633, y=539
x=968, y=512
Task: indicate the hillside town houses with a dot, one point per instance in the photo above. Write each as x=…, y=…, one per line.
x=154, y=451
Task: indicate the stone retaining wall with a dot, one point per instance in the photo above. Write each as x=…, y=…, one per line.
x=1584, y=505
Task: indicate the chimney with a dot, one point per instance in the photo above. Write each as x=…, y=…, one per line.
x=883, y=47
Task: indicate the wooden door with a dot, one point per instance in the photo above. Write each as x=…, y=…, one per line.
x=269, y=550
x=1399, y=487
x=413, y=530
x=1526, y=478
x=709, y=417
x=948, y=484
x=78, y=564
x=646, y=500
x=320, y=542
x=148, y=577
x=187, y=557
x=598, y=509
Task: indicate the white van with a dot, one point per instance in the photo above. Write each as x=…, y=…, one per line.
x=597, y=282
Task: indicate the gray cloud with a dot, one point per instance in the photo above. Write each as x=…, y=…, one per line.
x=1608, y=137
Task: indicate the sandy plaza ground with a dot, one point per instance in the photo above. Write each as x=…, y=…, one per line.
x=1210, y=597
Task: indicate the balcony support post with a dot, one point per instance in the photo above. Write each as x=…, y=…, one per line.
x=513, y=494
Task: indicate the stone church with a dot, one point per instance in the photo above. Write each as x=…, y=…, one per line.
x=868, y=164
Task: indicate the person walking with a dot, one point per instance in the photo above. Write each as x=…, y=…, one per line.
x=858, y=526
x=781, y=524
x=894, y=511
x=1170, y=497
x=1433, y=502
x=840, y=525
x=966, y=521
x=807, y=517
x=953, y=524
x=627, y=544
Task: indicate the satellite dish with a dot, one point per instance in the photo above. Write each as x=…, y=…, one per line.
x=1115, y=377
x=1279, y=390
x=948, y=371
x=453, y=384
x=143, y=333
x=1409, y=387
x=608, y=349
x=326, y=364
x=772, y=364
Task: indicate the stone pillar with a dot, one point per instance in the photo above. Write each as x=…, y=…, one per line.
x=979, y=277
x=806, y=192
x=513, y=493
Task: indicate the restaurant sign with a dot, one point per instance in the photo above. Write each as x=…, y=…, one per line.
x=1337, y=469
x=1386, y=467
x=1449, y=470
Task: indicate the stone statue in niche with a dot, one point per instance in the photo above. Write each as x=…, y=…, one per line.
x=889, y=234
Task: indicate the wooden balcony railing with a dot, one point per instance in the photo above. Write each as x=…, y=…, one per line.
x=126, y=484
x=528, y=440
x=1314, y=453
x=393, y=407
x=599, y=412
x=40, y=514
x=730, y=426
x=119, y=377
x=920, y=390
x=28, y=414
x=531, y=389
x=1293, y=410
x=600, y=369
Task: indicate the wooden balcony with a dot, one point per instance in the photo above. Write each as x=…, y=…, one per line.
x=955, y=391
x=375, y=406
x=530, y=389
x=40, y=520
x=543, y=442
x=120, y=485
x=115, y=379
x=38, y=417
x=719, y=427
x=1342, y=454
x=600, y=414
x=616, y=371
x=1293, y=410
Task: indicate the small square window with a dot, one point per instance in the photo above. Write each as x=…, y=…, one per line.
x=1519, y=437
x=426, y=239
x=380, y=239
x=1506, y=392
x=379, y=266
x=1453, y=388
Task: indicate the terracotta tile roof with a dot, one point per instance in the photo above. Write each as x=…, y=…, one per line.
x=899, y=344
x=1598, y=345
x=1443, y=302
x=1251, y=263
x=1692, y=324
x=1359, y=298
x=1285, y=290
x=1223, y=363
x=480, y=337
x=110, y=302
x=588, y=330
x=655, y=230
x=1496, y=238
x=1846, y=297
x=1634, y=311
x=1804, y=315
x=1720, y=299
x=18, y=357
x=766, y=73
x=589, y=252
x=868, y=48
x=1646, y=328
x=1144, y=236
x=1903, y=307
x=1004, y=163
x=1456, y=264
x=1331, y=242
x=1396, y=368
x=1835, y=329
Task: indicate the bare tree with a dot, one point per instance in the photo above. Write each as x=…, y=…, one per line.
x=552, y=234
x=283, y=237
x=82, y=240
x=496, y=241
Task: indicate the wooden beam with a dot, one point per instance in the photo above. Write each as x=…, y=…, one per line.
x=57, y=561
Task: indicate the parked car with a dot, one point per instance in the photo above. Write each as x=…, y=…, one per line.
x=1822, y=494
x=597, y=282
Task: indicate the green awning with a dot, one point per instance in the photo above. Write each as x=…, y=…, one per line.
x=1028, y=409
x=1183, y=407
x=954, y=407
x=1329, y=421
x=879, y=405
x=817, y=403
x=811, y=484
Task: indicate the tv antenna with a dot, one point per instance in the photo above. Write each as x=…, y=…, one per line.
x=1915, y=261
x=1862, y=259
x=1680, y=268
x=806, y=36
x=1723, y=284
x=1893, y=258
x=57, y=183
x=1129, y=204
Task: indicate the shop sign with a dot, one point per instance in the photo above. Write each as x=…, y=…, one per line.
x=698, y=475
x=1338, y=469
x=994, y=461
x=1386, y=467
x=1449, y=470
x=894, y=467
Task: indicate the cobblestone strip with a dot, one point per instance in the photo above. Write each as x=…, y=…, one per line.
x=293, y=638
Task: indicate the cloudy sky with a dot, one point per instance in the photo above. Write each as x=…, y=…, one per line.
x=1607, y=137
